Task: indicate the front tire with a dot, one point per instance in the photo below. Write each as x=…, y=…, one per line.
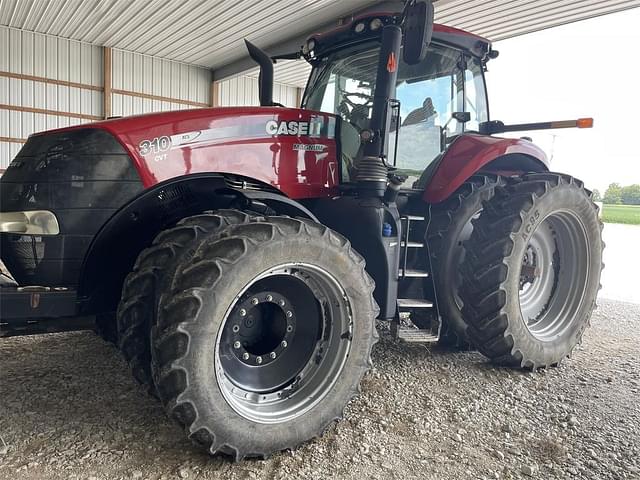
x=533, y=270
x=264, y=337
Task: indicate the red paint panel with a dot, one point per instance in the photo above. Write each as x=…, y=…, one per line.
x=467, y=155
x=239, y=140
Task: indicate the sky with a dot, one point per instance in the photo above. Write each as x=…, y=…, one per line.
x=585, y=69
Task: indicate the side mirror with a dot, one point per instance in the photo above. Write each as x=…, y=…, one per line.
x=417, y=30
x=462, y=117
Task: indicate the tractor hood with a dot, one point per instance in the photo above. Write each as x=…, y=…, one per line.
x=292, y=150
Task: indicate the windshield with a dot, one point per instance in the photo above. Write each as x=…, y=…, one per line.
x=447, y=81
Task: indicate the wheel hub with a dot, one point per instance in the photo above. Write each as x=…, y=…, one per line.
x=262, y=327
x=263, y=347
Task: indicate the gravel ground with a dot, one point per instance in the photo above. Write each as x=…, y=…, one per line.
x=70, y=410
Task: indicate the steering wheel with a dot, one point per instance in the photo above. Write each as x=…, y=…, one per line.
x=356, y=113
x=346, y=98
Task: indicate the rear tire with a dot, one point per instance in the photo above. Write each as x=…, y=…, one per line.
x=231, y=362
x=106, y=327
x=153, y=269
x=532, y=272
x=449, y=228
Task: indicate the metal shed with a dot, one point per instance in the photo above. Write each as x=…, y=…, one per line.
x=72, y=61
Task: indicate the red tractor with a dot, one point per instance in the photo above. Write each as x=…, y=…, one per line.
x=239, y=257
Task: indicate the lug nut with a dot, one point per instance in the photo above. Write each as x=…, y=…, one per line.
x=254, y=301
x=236, y=328
x=258, y=360
x=243, y=312
x=289, y=328
x=284, y=344
x=269, y=298
x=281, y=303
x=272, y=354
x=289, y=314
x=236, y=344
x=245, y=356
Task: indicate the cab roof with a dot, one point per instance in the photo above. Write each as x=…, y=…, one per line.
x=347, y=33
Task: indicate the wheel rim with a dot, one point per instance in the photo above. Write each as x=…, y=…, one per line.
x=283, y=343
x=554, y=275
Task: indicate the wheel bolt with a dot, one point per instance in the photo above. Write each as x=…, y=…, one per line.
x=243, y=312
x=269, y=298
x=289, y=314
x=236, y=328
x=245, y=356
x=258, y=360
x=254, y=301
x=284, y=344
x=289, y=328
x=272, y=354
x=236, y=344
x=281, y=303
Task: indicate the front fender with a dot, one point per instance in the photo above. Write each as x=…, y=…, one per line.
x=471, y=153
x=133, y=227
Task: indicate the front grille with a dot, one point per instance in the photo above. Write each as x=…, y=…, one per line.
x=83, y=176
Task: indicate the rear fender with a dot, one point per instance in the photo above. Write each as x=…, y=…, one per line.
x=133, y=227
x=472, y=153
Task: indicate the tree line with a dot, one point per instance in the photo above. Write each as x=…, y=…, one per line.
x=619, y=195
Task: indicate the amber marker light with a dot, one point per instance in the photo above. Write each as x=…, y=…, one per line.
x=584, y=123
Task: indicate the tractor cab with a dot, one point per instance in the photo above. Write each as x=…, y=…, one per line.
x=435, y=100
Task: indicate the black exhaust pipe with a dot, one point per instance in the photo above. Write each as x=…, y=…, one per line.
x=265, y=80
x=372, y=170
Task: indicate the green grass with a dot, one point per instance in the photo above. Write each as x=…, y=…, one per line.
x=629, y=214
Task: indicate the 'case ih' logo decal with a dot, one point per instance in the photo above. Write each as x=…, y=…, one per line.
x=312, y=128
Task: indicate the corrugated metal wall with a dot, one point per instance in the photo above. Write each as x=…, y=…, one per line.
x=243, y=91
x=159, y=80
x=49, y=82
x=34, y=55
x=42, y=77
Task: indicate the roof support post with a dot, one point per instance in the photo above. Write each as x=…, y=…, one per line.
x=107, y=72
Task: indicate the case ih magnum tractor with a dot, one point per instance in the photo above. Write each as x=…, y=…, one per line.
x=239, y=257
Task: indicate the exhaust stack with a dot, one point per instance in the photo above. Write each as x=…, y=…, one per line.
x=265, y=80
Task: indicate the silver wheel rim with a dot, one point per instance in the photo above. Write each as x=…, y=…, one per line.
x=553, y=275
x=307, y=382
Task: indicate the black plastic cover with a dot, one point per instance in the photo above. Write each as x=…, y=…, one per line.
x=83, y=176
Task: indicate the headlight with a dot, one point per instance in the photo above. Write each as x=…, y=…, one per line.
x=375, y=24
x=38, y=222
x=359, y=28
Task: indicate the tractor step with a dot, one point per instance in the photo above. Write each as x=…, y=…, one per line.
x=417, y=319
x=414, y=303
x=414, y=335
x=410, y=273
x=412, y=244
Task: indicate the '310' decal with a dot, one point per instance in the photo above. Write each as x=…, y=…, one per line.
x=155, y=146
